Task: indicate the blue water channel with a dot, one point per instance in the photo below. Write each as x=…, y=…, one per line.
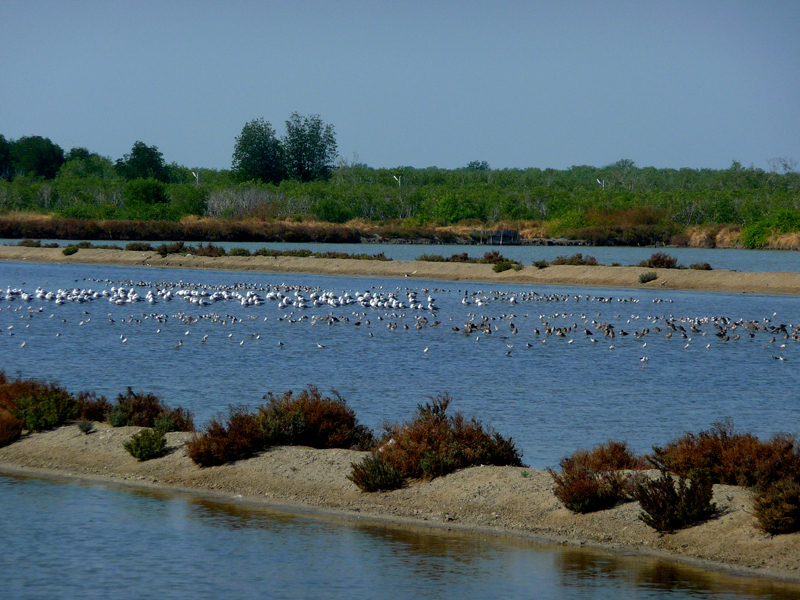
x=78, y=540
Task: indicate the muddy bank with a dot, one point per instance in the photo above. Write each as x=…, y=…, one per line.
x=601, y=276
x=513, y=500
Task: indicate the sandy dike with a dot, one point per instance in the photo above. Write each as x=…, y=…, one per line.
x=618, y=277
x=508, y=500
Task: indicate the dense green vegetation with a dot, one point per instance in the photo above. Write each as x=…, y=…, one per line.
x=295, y=178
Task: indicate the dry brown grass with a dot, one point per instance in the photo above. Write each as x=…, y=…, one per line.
x=729, y=237
x=785, y=241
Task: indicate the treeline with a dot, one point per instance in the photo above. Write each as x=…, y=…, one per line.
x=618, y=203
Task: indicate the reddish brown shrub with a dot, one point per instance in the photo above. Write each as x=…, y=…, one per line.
x=660, y=260
x=240, y=436
x=309, y=419
x=434, y=444
x=730, y=457
x=10, y=427
x=591, y=480
x=92, y=408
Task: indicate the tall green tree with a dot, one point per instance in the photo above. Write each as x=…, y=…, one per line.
x=258, y=154
x=5, y=158
x=310, y=148
x=36, y=156
x=143, y=162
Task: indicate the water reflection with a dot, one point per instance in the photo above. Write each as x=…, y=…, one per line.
x=90, y=540
x=577, y=568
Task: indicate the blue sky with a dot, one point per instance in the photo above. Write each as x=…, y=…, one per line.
x=518, y=84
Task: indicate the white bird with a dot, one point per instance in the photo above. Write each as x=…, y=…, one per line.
x=320, y=346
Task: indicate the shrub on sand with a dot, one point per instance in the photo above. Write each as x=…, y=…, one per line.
x=731, y=457
x=309, y=419
x=667, y=507
x=147, y=444
x=648, y=276
x=777, y=508
x=375, y=474
x=142, y=410
x=222, y=440
x=591, y=480
x=434, y=443
x=660, y=260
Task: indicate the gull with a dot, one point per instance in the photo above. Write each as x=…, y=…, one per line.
x=22, y=345
x=425, y=351
x=280, y=344
x=320, y=346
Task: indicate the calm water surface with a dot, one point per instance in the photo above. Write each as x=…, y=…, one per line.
x=73, y=540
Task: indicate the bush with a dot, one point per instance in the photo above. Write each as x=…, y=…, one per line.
x=239, y=252
x=143, y=410
x=667, y=507
x=777, y=508
x=648, y=276
x=10, y=427
x=86, y=427
x=92, y=408
x=239, y=437
x=174, y=248
x=45, y=407
x=576, y=260
x=308, y=419
x=660, y=260
x=139, y=247
x=431, y=258
x=208, y=250
x=540, y=264
x=69, y=250
x=434, y=443
x=700, y=266
x=28, y=243
x=304, y=419
x=374, y=474
x=147, y=444
x=504, y=265
x=590, y=481
x=732, y=458
x=492, y=258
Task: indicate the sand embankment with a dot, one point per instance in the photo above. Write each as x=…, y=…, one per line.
x=601, y=276
x=508, y=500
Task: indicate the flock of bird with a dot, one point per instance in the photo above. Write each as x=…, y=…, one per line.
x=575, y=319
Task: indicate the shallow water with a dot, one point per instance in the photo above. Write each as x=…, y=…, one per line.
x=552, y=397
x=727, y=259
x=70, y=540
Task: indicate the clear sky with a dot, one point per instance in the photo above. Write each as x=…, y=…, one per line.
x=517, y=84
